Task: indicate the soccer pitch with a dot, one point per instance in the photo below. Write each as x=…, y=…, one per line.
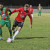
x=37, y=38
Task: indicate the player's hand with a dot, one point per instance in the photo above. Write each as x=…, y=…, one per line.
x=31, y=26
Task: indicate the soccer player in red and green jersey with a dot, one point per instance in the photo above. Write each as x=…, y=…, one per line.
x=5, y=19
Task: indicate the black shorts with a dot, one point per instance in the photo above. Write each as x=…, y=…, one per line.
x=19, y=24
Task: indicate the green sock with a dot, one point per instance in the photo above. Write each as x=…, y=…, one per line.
x=1, y=32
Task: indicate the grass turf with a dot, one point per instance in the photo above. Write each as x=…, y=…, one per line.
x=37, y=38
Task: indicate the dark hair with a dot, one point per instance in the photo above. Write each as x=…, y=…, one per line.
x=27, y=5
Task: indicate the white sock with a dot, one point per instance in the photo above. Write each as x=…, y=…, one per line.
x=16, y=33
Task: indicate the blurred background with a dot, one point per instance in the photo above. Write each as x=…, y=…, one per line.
x=19, y=3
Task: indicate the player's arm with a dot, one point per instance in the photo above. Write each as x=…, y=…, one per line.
x=15, y=10
x=30, y=20
x=32, y=13
x=31, y=10
x=8, y=10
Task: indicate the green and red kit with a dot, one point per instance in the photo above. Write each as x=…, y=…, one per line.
x=5, y=19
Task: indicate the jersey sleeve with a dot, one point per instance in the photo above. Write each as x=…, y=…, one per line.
x=8, y=10
x=18, y=9
x=30, y=18
x=31, y=10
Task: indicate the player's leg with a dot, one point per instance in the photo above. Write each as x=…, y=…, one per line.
x=0, y=31
x=10, y=33
x=8, y=24
x=2, y=23
x=14, y=30
x=17, y=32
x=38, y=13
x=14, y=26
x=20, y=25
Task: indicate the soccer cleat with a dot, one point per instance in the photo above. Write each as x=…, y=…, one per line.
x=1, y=38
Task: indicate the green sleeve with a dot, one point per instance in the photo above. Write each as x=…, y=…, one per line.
x=9, y=10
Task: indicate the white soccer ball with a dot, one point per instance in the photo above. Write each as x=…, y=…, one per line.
x=9, y=40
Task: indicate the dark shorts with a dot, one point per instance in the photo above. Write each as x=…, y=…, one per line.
x=19, y=24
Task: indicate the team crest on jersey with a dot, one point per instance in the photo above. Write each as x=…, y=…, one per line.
x=3, y=14
x=23, y=13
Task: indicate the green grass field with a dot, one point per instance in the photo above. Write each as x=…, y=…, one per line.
x=37, y=38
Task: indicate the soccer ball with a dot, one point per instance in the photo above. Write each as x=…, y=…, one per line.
x=9, y=40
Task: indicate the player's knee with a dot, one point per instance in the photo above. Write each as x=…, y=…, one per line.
x=19, y=28
x=0, y=26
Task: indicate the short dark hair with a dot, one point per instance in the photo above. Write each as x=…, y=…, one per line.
x=27, y=5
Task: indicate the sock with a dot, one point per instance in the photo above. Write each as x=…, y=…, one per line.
x=10, y=34
x=16, y=33
x=1, y=32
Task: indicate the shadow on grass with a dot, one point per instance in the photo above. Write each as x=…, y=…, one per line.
x=29, y=37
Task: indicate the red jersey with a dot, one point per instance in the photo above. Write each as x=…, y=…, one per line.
x=22, y=15
x=30, y=9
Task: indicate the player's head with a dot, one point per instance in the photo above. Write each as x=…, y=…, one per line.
x=39, y=4
x=30, y=5
x=1, y=6
x=26, y=7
